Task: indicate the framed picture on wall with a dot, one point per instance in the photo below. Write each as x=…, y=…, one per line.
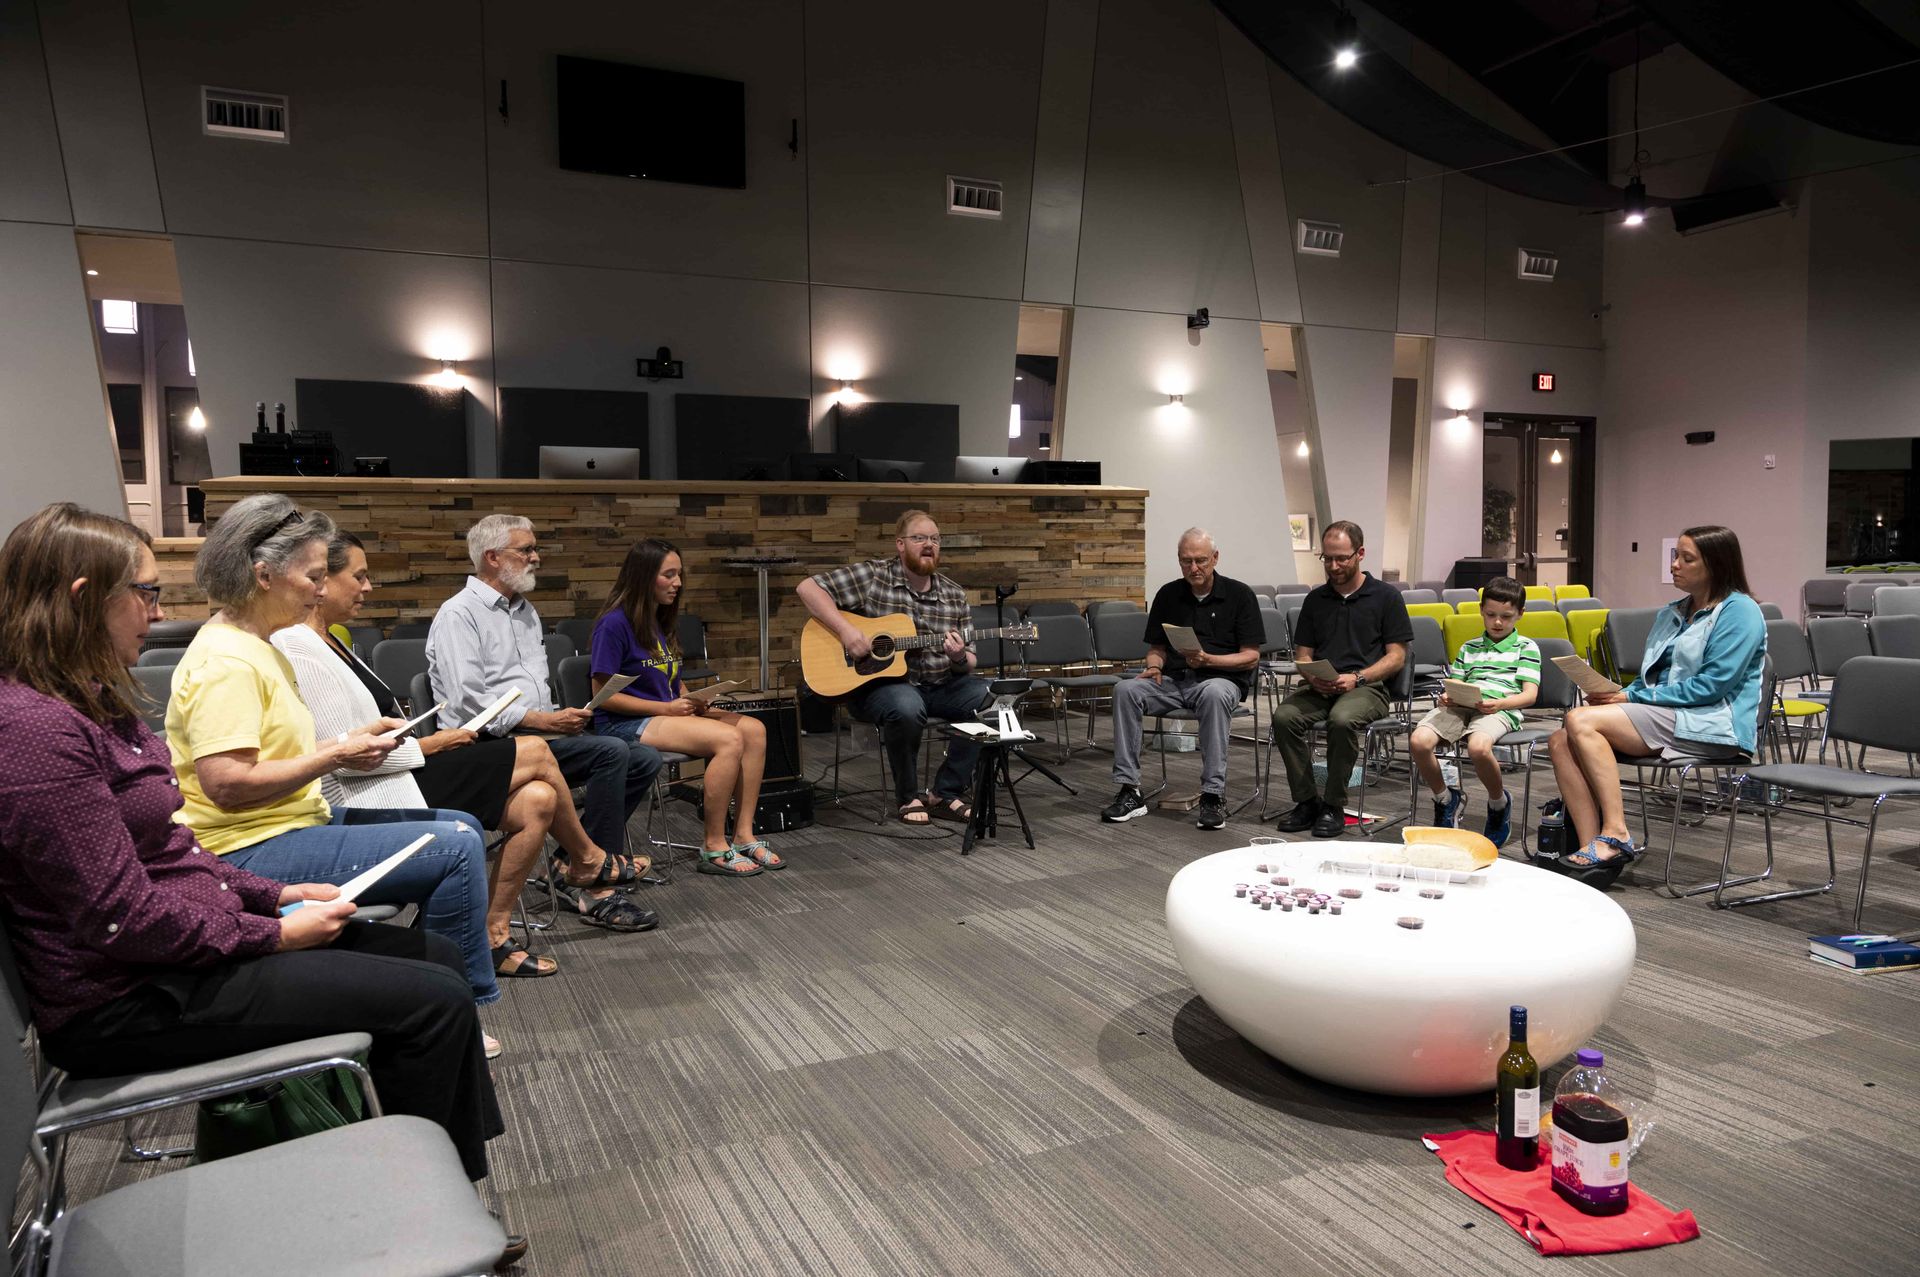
x=1300, y=527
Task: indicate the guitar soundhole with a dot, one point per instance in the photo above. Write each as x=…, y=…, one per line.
x=883, y=648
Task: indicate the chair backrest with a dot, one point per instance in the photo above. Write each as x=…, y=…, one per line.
x=1557, y=691
x=1899, y=600
x=1460, y=628
x=1873, y=700
x=576, y=681
x=1543, y=625
x=1438, y=587
x=419, y=696
x=1773, y=612
x=1120, y=636
x=1411, y=597
x=156, y=684
x=1539, y=592
x=1538, y=605
x=1435, y=612
x=1429, y=641
x=1581, y=603
x=1262, y=589
x=983, y=616
x=410, y=630
x=1583, y=627
x=19, y=1096
x=1571, y=592
x=1860, y=594
x=1262, y=598
x=579, y=629
x=1400, y=585
x=1895, y=636
x=1787, y=646
x=161, y=656
x=1064, y=639
x=396, y=661
x=361, y=639
x=1626, y=633
x=559, y=648
x=1835, y=640
x=1273, y=628
x=172, y=633
x=1098, y=606
x=1297, y=587
x=1457, y=597
x=691, y=631
x=1400, y=686
x=1824, y=594
x=1467, y=607
x=1052, y=607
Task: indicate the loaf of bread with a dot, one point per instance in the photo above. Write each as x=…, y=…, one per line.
x=1433, y=848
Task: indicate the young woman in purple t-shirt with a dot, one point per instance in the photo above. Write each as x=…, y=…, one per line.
x=636, y=634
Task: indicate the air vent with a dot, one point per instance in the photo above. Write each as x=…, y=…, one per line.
x=1321, y=239
x=971, y=197
x=1535, y=264
x=235, y=113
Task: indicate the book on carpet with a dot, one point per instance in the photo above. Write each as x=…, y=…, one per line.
x=615, y=684
x=1463, y=695
x=1863, y=952
x=487, y=715
x=1588, y=679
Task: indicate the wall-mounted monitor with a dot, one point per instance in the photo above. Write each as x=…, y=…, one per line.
x=666, y=126
x=924, y=432
x=744, y=437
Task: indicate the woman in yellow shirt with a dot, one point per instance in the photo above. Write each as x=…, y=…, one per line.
x=244, y=753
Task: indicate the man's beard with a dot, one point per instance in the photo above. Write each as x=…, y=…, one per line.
x=521, y=582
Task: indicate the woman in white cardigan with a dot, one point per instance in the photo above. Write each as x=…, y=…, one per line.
x=511, y=784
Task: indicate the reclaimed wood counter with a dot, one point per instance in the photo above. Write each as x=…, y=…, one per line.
x=1077, y=543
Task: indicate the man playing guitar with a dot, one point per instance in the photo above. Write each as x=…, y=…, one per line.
x=940, y=680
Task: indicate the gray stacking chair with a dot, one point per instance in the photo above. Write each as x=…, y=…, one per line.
x=1063, y=654
x=1429, y=656
x=559, y=648
x=1275, y=671
x=1792, y=661
x=385, y=1195
x=574, y=674
x=361, y=638
x=1262, y=599
x=1052, y=607
x=1899, y=600
x=172, y=633
x=1267, y=590
x=396, y=661
x=695, y=665
x=1454, y=598
x=1873, y=700
x=1297, y=587
x=1577, y=605
x=1438, y=588
x=410, y=630
x=419, y=696
x=579, y=629
x=1622, y=642
x=1860, y=594
x=1119, y=638
x=1834, y=640
x=1419, y=596
x=1095, y=608
x=1540, y=605
x=1773, y=612
x=1824, y=596
x=156, y=682
x=1895, y=636
x=1397, y=723
x=1293, y=624
x=161, y=656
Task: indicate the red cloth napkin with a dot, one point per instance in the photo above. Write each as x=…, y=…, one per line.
x=1526, y=1200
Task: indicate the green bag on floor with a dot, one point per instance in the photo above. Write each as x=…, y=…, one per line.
x=275, y=1113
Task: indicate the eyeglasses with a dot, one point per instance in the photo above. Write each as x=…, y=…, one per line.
x=150, y=593
x=922, y=538
x=1200, y=562
x=1335, y=560
x=524, y=551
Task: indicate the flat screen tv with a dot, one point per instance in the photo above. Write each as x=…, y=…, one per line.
x=667, y=126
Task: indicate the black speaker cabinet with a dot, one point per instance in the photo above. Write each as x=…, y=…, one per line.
x=779, y=713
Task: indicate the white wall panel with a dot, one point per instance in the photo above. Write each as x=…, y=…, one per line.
x=1349, y=382
x=35, y=185
x=1262, y=187
x=96, y=75
x=1060, y=150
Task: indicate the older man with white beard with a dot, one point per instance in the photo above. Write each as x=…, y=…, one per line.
x=940, y=680
x=486, y=641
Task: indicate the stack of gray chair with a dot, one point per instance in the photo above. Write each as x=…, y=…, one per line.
x=1824, y=596
x=1454, y=598
x=1860, y=593
x=161, y=656
x=1622, y=641
x=396, y=661
x=1418, y=596
x=1064, y=655
x=1578, y=605
x=1899, y=600
x=1895, y=636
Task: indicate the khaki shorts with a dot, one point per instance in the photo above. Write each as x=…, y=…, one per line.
x=1451, y=724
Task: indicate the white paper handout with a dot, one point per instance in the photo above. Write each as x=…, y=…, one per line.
x=615, y=684
x=352, y=887
x=1588, y=679
x=1322, y=670
x=410, y=724
x=1464, y=695
x=1182, y=638
x=486, y=715
x=713, y=690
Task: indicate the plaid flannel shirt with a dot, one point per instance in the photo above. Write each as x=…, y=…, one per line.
x=878, y=587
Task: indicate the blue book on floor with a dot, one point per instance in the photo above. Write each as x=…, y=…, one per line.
x=1866, y=950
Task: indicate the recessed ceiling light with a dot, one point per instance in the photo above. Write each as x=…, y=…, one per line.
x=93, y=272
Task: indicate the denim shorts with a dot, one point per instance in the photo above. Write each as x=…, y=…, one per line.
x=626, y=726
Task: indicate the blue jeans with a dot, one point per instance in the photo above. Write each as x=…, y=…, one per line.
x=618, y=775
x=900, y=711
x=627, y=727
x=447, y=878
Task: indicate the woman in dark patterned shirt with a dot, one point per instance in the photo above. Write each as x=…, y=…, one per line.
x=140, y=951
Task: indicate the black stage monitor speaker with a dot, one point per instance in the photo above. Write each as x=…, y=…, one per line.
x=778, y=712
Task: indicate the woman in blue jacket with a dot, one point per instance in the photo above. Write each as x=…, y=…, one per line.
x=1698, y=695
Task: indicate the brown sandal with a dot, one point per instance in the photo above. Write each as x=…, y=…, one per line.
x=914, y=812
x=958, y=810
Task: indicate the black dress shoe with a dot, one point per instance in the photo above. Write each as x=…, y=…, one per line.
x=1301, y=817
x=516, y=1248
x=1330, y=823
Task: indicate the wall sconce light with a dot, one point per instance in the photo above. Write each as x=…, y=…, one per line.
x=196, y=420
x=1460, y=425
x=1180, y=399
x=449, y=374
x=846, y=393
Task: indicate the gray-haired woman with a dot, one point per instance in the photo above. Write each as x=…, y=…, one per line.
x=244, y=753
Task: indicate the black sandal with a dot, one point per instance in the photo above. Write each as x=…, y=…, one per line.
x=958, y=810
x=530, y=967
x=615, y=871
x=613, y=913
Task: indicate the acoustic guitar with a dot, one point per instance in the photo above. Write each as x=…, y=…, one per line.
x=826, y=669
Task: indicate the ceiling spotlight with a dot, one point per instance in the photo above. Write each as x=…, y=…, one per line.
x=1636, y=204
x=196, y=419
x=93, y=272
x=1556, y=458
x=1346, y=40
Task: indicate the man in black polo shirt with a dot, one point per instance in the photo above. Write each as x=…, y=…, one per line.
x=1359, y=626
x=1225, y=619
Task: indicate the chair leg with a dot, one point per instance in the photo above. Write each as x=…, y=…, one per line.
x=1766, y=820
x=1866, y=859
x=135, y=1153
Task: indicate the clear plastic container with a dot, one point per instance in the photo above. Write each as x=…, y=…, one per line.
x=1591, y=1138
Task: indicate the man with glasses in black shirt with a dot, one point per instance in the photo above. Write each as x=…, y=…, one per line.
x=1360, y=627
x=1225, y=620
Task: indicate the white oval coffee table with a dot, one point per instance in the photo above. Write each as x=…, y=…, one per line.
x=1361, y=1001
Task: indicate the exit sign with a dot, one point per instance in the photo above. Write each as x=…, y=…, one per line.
x=1543, y=381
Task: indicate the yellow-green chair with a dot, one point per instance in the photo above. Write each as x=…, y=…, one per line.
x=1539, y=625
x=1440, y=612
x=1534, y=592
x=1571, y=592
x=1582, y=627
x=1460, y=628
x=1470, y=607
x=340, y=632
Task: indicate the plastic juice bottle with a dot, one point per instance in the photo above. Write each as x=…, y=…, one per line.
x=1589, y=1139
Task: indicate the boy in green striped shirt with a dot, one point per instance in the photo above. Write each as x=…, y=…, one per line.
x=1505, y=666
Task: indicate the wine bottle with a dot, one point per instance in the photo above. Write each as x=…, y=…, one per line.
x=1516, y=1143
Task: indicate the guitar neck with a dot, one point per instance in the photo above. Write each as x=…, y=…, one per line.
x=937, y=640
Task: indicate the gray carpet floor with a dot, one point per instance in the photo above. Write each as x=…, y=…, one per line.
x=889, y=1059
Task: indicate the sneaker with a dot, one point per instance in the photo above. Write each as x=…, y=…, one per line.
x=1446, y=811
x=1499, y=824
x=1125, y=806
x=1330, y=823
x=1212, y=812
x=1301, y=817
